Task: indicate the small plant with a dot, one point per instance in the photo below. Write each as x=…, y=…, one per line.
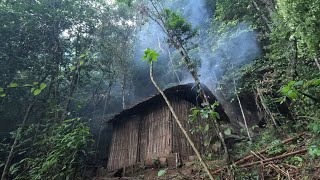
x=314, y=126
x=296, y=160
x=207, y=114
x=156, y=162
x=275, y=148
x=314, y=151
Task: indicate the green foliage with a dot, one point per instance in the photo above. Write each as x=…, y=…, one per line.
x=295, y=160
x=301, y=17
x=162, y=172
x=178, y=28
x=205, y=125
x=289, y=38
x=57, y=152
x=275, y=148
x=150, y=55
x=156, y=162
x=208, y=112
x=241, y=174
x=36, y=89
x=314, y=151
x=314, y=126
x=227, y=131
x=13, y=85
x=301, y=89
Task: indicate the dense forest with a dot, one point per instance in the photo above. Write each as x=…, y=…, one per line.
x=68, y=66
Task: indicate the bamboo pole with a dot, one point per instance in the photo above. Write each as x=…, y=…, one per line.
x=180, y=124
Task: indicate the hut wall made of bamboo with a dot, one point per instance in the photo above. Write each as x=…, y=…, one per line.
x=151, y=133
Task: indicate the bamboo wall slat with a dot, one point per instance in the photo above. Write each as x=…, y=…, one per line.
x=180, y=143
x=151, y=134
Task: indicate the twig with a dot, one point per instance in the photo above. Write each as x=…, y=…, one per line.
x=265, y=149
x=260, y=152
x=266, y=108
x=262, y=174
x=291, y=166
x=275, y=158
x=275, y=167
x=240, y=105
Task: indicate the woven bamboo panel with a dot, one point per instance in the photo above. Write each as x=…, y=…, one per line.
x=180, y=144
x=124, y=144
x=151, y=134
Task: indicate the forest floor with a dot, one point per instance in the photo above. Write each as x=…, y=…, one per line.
x=288, y=159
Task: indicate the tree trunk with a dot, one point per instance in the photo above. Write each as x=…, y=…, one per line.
x=16, y=140
x=317, y=63
x=123, y=91
x=293, y=71
x=69, y=96
x=205, y=100
x=262, y=15
x=175, y=41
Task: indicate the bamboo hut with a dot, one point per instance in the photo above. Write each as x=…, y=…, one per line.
x=148, y=131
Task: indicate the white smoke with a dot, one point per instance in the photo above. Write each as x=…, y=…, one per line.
x=239, y=44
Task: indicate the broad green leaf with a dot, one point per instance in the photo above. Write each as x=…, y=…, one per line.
x=227, y=131
x=1, y=89
x=36, y=92
x=206, y=129
x=314, y=151
x=32, y=89
x=3, y=95
x=292, y=94
x=13, y=85
x=299, y=83
x=285, y=89
x=83, y=55
x=162, y=172
x=42, y=86
x=316, y=82
x=35, y=83
x=291, y=83
x=72, y=68
x=206, y=141
x=150, y=55
x=205, y=115
x=81, y=63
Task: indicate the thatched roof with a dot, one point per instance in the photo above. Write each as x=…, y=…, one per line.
x=187, y=92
